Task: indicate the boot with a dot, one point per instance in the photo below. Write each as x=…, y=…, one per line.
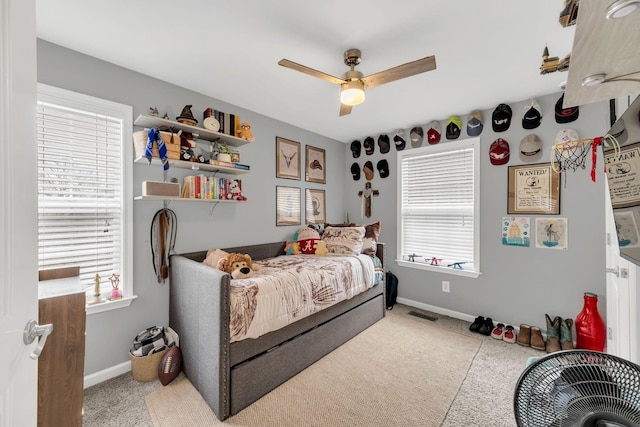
x=553, y=334
x=524, y=335
x=566, y=340
x=537, y=341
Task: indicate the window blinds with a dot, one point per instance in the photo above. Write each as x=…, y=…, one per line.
x=79, y=191
x=437, y=205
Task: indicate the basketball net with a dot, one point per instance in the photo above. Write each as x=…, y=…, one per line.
x=572, y=155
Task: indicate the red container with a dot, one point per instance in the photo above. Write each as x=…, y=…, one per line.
x=590, y=330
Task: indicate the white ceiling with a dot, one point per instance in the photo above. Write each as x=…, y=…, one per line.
x=487, y=52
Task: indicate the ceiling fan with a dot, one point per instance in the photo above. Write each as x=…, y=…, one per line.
x=352, y=83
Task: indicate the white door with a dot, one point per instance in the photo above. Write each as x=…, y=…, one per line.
x=18, y=211
x=620, y=285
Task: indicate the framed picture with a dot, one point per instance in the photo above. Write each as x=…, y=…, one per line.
x=315, y=165
x=287, y=159
x=533, y=189
x=288, y=205
x=315, y=206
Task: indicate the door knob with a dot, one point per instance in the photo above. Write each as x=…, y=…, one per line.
x=33, y=330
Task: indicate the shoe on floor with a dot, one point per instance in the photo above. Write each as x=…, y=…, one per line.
x=537, y=341
x=486, y=327
x=524, y=336
x=475, y=326
x=497, y=331
x=509, y=335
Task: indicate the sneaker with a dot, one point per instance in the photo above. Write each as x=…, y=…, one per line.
x=509, y=334
x=486, y=327
x=475, y=326
x=497, y=331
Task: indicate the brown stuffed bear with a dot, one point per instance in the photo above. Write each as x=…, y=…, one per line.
x=239, y=266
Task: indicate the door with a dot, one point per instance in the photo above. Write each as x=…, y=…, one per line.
x=18, y=211
x=621, y=276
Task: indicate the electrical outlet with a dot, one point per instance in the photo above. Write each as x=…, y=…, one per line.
x=445, y=286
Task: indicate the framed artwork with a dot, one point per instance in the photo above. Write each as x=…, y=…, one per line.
x=623, y=169
x=315, y=206
x=288, y=205
x=315, y=165
x=552, y=233
x=533, y=189
x=287, y=159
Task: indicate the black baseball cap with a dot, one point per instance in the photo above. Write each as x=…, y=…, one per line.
x=501, y=118
x=356, y=147
x=565, y=115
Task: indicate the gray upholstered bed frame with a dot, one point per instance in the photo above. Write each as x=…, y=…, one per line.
x=231, y=376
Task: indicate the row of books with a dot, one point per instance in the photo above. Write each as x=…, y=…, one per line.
x=229, y=123
x=209, y=187
x=229, y=164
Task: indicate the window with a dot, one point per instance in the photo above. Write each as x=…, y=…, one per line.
x=439, y=207
x=84, y=187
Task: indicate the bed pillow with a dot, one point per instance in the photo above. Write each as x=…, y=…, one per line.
x=371, y=235
x=344, y=240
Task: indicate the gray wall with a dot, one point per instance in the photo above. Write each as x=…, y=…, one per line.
x=109, y=335
x=517, y=285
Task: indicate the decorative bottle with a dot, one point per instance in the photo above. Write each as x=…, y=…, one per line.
x=590, y=329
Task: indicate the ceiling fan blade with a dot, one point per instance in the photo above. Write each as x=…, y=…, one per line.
x=310, y=71
x=345, y=109
x=401, y=71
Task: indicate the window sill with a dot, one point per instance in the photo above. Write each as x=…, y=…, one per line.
x=109, y=305
x=439, y=269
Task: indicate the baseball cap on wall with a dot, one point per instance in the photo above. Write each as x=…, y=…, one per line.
x=433, y=134
x=501, y=118
x=565, y=115
x=416, y=136
x=532, y=115
x=369, y=146
x=454, y=125
x=499, y=152
x=356, y=147
x=383, y=143
x=531, y=148
x=475, y=123
x=399, y=140
x=566, y=135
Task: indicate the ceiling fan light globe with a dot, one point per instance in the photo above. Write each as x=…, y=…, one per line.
x=352, y=93
x=594, y=80
x=621, y=8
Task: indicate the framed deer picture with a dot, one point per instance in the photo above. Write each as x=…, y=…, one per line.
x=287, y=159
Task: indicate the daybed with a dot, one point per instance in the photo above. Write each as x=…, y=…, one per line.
x=232, y=375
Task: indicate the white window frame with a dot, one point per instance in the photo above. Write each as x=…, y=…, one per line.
x=419, y=263
x=78, y=101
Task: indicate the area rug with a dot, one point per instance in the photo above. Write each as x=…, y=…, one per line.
x=399, y=372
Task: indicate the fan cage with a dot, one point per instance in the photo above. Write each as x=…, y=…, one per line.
x=578, y=388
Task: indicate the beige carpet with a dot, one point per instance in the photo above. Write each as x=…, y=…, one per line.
x=399, y=372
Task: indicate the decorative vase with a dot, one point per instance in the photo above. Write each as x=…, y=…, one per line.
x=590, y=329
x=224, y=157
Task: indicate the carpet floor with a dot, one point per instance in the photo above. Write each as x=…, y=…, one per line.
x=457, y=379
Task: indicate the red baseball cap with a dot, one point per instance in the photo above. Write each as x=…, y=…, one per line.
x=499, y=152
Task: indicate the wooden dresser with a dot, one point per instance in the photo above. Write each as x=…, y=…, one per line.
x=61, y=363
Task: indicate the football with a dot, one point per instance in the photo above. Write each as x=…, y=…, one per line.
x=170, y=365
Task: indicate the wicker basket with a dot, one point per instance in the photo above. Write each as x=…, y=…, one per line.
x=145, y=368
x=171, y=141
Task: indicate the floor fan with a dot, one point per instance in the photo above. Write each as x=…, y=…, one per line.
x=578, y=388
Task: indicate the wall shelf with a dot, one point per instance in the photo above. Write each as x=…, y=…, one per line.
x=194, y=166
x=202, y=133
x=186, y=199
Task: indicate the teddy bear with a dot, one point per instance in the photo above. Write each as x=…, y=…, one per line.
x=239, y=266
x=292, y=247
x=245, y=132
x=235, y=192
x=321, y=248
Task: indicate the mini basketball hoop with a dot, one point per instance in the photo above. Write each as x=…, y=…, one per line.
x=570, y=155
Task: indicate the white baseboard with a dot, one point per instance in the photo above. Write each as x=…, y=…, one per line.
x=439, y=310
x=106, y=374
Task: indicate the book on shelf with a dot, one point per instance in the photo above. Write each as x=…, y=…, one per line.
x=241, y=166
x=221, y=163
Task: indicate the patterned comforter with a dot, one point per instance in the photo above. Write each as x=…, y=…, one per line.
x=287, y=288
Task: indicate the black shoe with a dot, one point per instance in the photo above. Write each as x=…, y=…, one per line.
x=475, y=326
x=486, y=327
